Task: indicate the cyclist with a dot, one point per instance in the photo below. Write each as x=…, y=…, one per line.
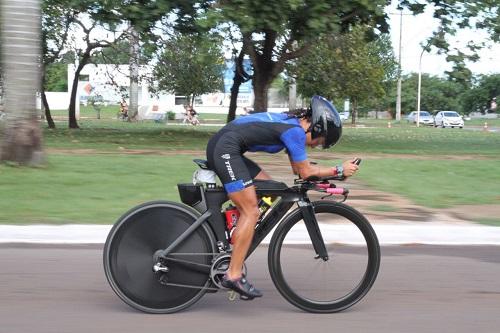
x=270, y=132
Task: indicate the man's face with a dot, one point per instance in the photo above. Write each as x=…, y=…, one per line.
x=314, y=142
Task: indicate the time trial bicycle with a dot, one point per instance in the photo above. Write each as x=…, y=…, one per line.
x=324, y=256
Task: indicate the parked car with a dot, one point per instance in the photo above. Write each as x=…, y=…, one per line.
x=448, y=119
x=424, y=118
x=344, y=115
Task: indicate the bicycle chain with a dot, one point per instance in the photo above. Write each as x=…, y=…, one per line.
x=163, y=278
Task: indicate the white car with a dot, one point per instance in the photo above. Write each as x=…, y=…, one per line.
x=344, y=115
x=425, y=118
x=448, y=119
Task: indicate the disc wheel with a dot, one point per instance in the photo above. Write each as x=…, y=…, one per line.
x=129, y=257
x=331, y=285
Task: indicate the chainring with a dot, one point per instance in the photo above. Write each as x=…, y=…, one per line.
x=219, y=267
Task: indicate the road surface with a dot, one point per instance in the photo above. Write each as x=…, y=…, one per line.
x=61, y=288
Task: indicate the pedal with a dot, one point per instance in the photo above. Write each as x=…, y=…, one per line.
x=231, y=295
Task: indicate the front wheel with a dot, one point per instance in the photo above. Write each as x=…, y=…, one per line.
x=316, y=285
x=129, y=257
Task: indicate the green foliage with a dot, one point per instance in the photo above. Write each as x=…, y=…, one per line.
x=276, y=32
x=436, y=94
x=347, y=66
x=118, y=54
x=479, y=97
x=56, y=77
x=190, y=65
x=436, y=183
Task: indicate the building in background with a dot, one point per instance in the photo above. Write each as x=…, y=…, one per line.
x=108, y=84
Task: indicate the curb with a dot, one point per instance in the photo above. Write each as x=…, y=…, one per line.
x=388, y=234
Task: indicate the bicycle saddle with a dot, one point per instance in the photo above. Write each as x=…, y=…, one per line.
x=201, y=163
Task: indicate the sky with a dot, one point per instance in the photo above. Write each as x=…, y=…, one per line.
x=416, y=29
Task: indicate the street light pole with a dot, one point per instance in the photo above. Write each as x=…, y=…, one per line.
x=398, y=94
x=420, y=83
x=419, y=86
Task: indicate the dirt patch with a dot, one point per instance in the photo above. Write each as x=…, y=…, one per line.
x=122, y=150
x=267, y=158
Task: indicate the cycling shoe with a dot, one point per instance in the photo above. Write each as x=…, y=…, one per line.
x=246, y=290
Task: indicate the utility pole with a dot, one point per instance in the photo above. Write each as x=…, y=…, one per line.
x=398, y=98
x=292, y=90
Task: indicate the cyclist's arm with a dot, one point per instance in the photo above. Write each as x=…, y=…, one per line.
x=305, y=169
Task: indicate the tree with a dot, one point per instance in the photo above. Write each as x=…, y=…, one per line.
x=117, y=54
x=343, y=66
x=142, y=17
x=275, y=32
x=479, y=98
x=56, y=77
x=57, y=17
x=190, y=65
x=92, y=45
x=20, y=46
x=240, y=77
x=436, y=93
x=382, y=50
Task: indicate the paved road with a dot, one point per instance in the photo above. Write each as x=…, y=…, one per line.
x=455, y=289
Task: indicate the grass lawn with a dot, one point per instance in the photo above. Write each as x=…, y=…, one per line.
x=113, y=135
x=98, y=188
x=436, y=183
x=415, y=141
x=88, y=188
x=490, y=221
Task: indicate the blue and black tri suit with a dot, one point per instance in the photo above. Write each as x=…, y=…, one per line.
x=269, y=132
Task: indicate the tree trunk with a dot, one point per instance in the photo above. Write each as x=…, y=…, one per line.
x=134, y=75
x=233, y=103
x=48, y=116
x=20, y=46
x=354, y=105
x=72, y=123
x=239, y=77
x=261, y=83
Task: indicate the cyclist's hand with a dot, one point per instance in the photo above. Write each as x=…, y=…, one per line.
x=349, y=168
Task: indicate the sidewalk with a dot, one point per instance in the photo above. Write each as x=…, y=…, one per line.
x=388, y=234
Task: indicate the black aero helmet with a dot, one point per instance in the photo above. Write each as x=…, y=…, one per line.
x=325, y=121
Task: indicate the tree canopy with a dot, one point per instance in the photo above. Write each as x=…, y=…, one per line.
x=275, y=32
x=347, y=66
x=190, y=65
x=480, y=97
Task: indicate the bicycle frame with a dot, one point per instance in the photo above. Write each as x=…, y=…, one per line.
x=212, y=200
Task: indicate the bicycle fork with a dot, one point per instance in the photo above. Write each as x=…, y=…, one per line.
x=307, y=211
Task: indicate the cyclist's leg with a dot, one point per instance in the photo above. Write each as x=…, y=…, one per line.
x=246, y=202
x=237, y=179
x=224, y=156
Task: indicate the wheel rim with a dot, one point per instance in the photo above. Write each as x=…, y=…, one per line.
x=131, y=259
